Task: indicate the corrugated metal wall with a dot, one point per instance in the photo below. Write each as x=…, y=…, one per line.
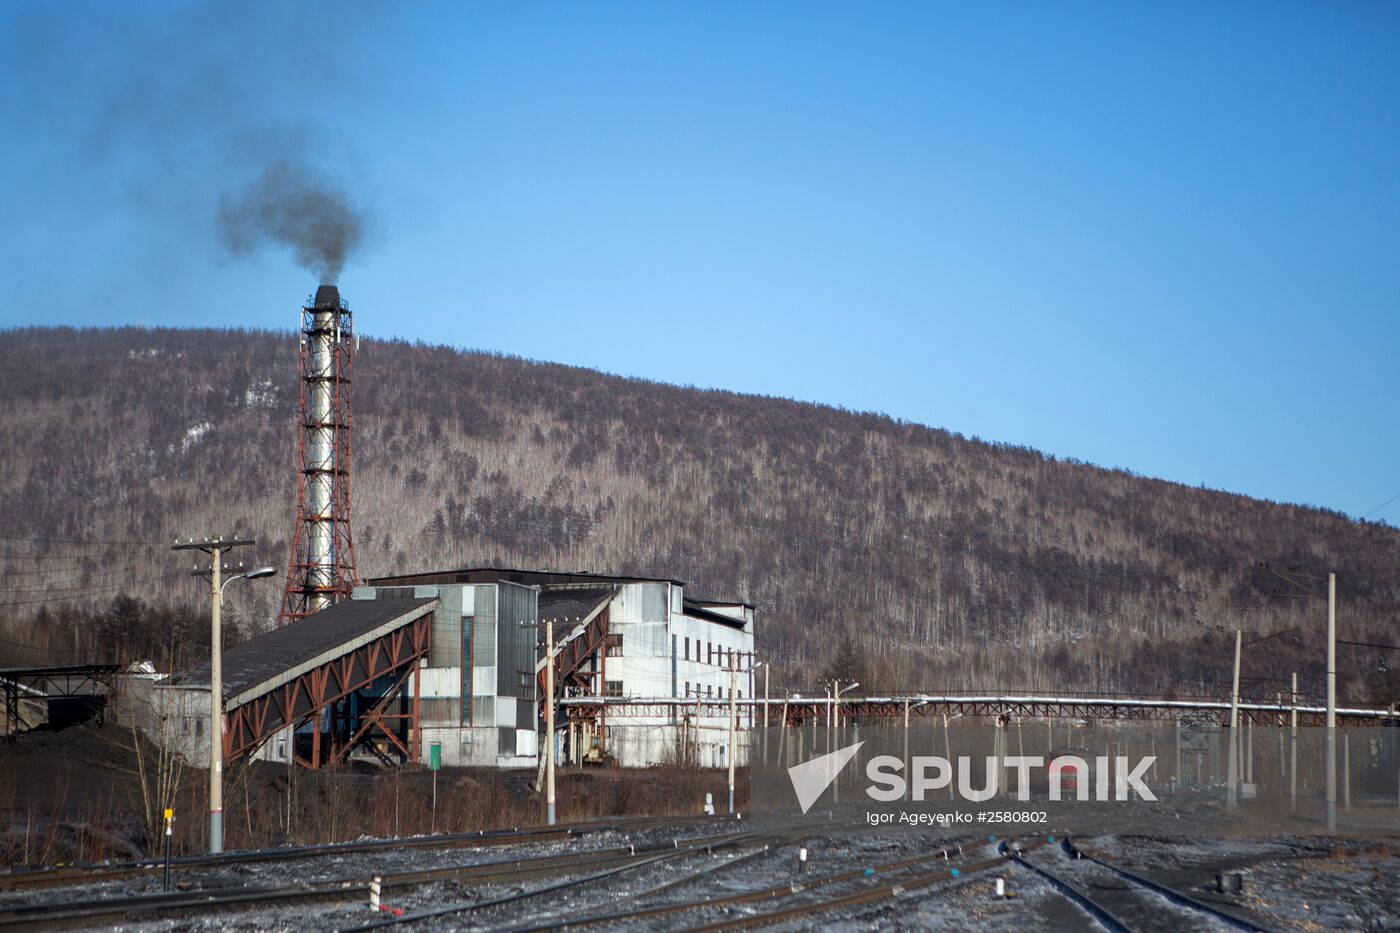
x=446, y=647
x=515, y=653
x=483, y=660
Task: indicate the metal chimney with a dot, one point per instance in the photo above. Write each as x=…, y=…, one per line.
x=322, y=563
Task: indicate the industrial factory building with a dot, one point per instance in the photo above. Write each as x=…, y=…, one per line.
x=615, y=637
x=454, y=659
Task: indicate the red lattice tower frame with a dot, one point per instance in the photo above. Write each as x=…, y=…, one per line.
x=314, y=582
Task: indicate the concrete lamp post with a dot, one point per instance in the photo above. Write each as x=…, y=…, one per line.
x=216, y=699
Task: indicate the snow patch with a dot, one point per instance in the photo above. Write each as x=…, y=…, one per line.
x=260, y=395
x=195, y=433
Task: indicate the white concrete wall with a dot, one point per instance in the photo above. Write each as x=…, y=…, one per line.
x=168, y=717
x=462, y=746
x=645, y=669
x=645, y=746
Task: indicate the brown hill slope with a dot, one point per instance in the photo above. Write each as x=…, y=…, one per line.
x=957, y=563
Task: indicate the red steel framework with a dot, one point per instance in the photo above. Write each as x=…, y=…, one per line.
x=321, y=567
x=386, y=724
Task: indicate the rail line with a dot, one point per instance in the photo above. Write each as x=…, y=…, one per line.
x=1144, y=917
x=737, y=841
x=24, y=879
x=157, y=906
x=883, y=892
x=778, y=891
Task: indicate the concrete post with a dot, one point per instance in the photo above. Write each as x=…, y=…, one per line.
x=1232, y=767
x=948, y=751
x=906, y=737
x=549, y=719
x=1346, y=772
x=1249, y=752
x=733, y=724
x=765, y=714
x=1330, y=752
x=1293, y=746
x=216, y=708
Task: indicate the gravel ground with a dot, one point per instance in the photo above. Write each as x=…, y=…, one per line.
x=1289, y=884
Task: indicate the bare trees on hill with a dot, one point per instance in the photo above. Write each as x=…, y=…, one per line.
x=952, y=562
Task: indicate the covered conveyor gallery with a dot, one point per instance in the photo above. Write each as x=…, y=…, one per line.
x=342, y=679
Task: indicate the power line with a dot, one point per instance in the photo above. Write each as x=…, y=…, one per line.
x=1379, y=507
x=88, y=541
x=95, y=591
x=94, y=575
x=20, y=644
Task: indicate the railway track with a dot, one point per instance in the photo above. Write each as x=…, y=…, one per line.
x=746, y=840
x=1125, y=901
x=616, y=918
x=858, y=901
x=140, y=908
x=57, y=876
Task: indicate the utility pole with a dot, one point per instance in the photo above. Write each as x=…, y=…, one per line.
x=906, y=735
x=765, y=695
x=947, y=751
x=1233, y=767
x=1293, y=747
x=215, y=548
x=828, y=720
x=766, y=666
x=1331, y=743
x=733, y=723
x=549, y=720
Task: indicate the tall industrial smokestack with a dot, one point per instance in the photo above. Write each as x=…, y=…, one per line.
x=322, y=564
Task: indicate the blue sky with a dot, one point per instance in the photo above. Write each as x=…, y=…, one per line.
x=1163, y=239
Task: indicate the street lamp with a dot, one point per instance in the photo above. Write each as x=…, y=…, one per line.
x=216, y=699
x=836, y=685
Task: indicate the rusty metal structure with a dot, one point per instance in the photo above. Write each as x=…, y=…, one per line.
x=66, y=693
x=321, y=567
x=328, y=684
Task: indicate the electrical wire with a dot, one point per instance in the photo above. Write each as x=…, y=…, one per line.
x=91, y=592
x=92, y=541
x=20, y=644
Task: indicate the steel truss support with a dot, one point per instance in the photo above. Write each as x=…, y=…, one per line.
x=326, y=696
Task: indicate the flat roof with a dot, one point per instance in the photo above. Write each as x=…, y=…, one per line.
x=511, y=575
x=706, y=615
x=59, y=670
x=572, y=602
x=276, y=656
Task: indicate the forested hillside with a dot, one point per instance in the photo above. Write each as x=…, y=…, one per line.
x=955, y=563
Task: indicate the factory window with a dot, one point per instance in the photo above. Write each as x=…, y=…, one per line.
x=199, y=726
x=709, y=653
x=687, y=688
x=614, y=646
x=613, y=688
x=466, y=654
x=687, y=649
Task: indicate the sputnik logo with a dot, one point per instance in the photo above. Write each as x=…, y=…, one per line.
x=811, y=778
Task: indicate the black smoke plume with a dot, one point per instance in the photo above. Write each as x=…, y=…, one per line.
x=293, y=205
